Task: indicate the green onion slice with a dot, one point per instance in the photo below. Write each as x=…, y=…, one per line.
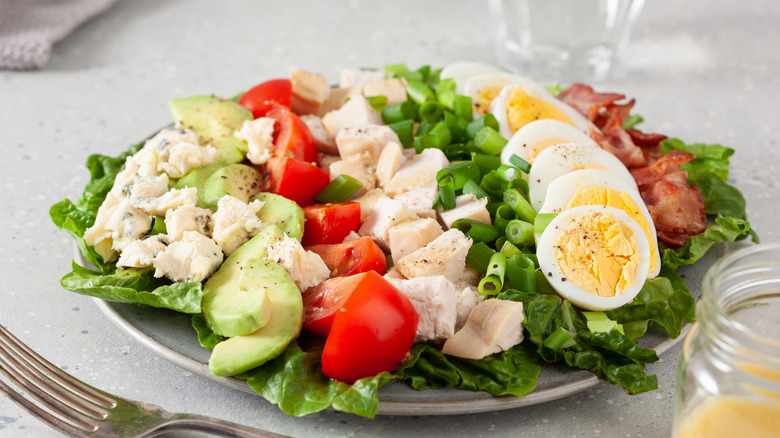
x=340, y=189
x=404, y=130
x=476, y=231
x=542, y=220
x=489, y=141
x=520, y=205
x=479, y=256
x=520, y=163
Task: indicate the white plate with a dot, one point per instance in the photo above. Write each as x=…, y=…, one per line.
x=169, y=335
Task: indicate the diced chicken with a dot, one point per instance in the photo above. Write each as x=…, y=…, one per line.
x=188, y=218
x=351, y=236
x=117, y=224
x=259, y=137
x=410, y=236
x=493, y=326
x=142, y=252
x=367, y=201
x=389, y=161
x=309, y=92
x=393, y=274
x=325, y=160
x=356, y=112
x=354, y=77
x=434, y=300
x=364, y=142
x=467, y=300
x=418, y=173
x=306, y=268
x=322, y=138
x=235, y=222
x=356, y=169
x=446, y=255
x=338, y=96
x=193, y=258
x=385, y=214
x=171, y=199
x=467, y=206
x=393, y=89
x=420, y=201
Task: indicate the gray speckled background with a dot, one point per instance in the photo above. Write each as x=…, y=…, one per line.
x=701, y=70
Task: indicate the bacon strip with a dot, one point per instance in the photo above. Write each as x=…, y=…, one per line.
x=615, y=139
x=586, y=101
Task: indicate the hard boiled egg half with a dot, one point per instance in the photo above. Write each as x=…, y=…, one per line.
x=595, y=256
x=530, y=140
x=561, y=159
x=600, y=187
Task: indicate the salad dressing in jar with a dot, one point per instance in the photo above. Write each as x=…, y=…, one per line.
x=729, y=376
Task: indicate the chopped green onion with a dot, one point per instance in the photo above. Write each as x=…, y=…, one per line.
x=404, y=130
x=455, y=151
x=488, y=120
x=476, y=231
x=508, y=173
x=521, y=273
x=158, y=226
x=520, y=205
x=441, y=131
x=520, y=233
x=542, y=220
x=418, y=91
x=494, y=276
x=462, y=108
x=446, y=196
x=400, y=111
x=560, y=338
x=460, y=173
x=237, y=96
x=509, y=250
x=489, y=141
x=424, y=127
x=490, y=285
x=486, y=163
x=520, y=163
x=340, y=189
x=502, y=216
x=377, y=102
x=396, y=71
x=456, y=125
x=479, y=256
x=554, y=89
x=424, y=72
x=493, y=184
x=600, y=322
x=473, y=188
x=631, y=121
x=542, y=284
x=431, y=111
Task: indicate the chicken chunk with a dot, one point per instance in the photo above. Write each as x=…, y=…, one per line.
x=410, y=236
x=338, y=96
x=364, y=142
x=385, y=214
x=356, y=169
x=393, y=89
x=309, y=92
x=322, y=138
x=420, y=201
x=467, y=206
x=390, y=160
x=445, y=255
x=493, y=326
x=325, y=160
x=367, y=201
x=418, y=173
x=434, y=299
x=356, y=112
x=353, y=77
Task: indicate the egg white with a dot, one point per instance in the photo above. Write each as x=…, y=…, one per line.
x=476, y=84
x=562, y=189
x=548, y=262
x=462, y=71
x=564, y=158
x=531, y=139
x=533, y=89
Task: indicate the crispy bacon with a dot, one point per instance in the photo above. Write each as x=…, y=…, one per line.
x=615, y=139
x=586, y=101
x=677, y=208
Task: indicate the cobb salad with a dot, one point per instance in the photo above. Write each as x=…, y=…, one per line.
x=452, y=227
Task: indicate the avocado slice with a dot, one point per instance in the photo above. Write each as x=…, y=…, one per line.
x=242, y=353
x=282, y=212
x=235, y=300
x=237, y=180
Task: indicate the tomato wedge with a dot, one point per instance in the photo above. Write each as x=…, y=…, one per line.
x=292, y=138
x=321, y=302
x=264, y=97
x=330, y=223
x=353, y=257
x=297, y=180
x=371, y=333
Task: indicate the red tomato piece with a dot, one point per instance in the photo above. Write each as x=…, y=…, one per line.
x=371, y=333
x=264, y=97
x=321, y=302
x=330, y=223
x=353, y=257
x=297, y=180
x=292, y=138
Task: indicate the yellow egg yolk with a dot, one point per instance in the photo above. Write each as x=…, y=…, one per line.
x=539, y=146
x=621, y=201
x=484, y=99
x=598, y=254
x=522, y=108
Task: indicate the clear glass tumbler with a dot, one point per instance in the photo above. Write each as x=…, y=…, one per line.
x=562, y=40
x=729, y=375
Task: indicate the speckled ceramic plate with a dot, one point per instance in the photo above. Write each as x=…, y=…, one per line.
x=169, y=335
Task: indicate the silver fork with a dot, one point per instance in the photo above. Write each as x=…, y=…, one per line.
x=80, y=410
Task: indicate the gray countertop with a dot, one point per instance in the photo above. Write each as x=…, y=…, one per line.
x=703, y=71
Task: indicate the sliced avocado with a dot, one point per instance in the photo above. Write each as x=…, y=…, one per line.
x=235, y=300
x=237, y=180
x=242, y=353
x=282, y=212
x=214, y=118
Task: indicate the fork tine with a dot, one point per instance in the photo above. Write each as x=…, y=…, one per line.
x=87, y=392
x=40, y=413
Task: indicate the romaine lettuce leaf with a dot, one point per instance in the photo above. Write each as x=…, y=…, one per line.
x=712, y=158
x=135, y=286
x=725, y=229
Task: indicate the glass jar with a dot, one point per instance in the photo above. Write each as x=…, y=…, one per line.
x=729, y=375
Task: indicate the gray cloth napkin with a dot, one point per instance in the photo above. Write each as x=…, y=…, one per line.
x=29, y=28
